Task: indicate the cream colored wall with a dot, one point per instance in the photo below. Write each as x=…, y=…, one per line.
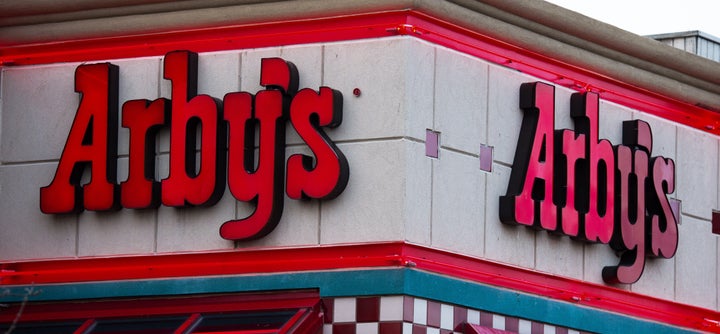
x=394, y=192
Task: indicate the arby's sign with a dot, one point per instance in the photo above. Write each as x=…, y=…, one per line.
x=227, y=137
x=567, y=182
x=573, y=183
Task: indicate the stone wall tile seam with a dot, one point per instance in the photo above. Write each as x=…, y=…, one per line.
x=432, y=163
x=322, y=83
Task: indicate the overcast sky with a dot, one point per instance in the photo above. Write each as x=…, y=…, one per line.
x=649, y=17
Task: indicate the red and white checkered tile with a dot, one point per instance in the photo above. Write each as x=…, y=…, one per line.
x=409, y=315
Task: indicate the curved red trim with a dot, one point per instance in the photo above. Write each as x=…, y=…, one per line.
x=354, y=256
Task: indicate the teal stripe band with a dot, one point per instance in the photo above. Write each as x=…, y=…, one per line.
x=391, y=281
x=516, y=304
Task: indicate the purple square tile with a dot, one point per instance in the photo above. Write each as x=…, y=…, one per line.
x=675, y=206
x=512, y=324
x=486, y=158
x=408, y=308
x=432, y=143
x=433, y=314
x=486, y=319
x=537, y=328
x=459, y=317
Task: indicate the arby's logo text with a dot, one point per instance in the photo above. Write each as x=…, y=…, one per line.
x=573, y=183
x=226, y=153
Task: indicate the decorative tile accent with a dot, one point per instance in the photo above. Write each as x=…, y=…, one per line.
x=460, y=316
x=410, y=315
x=715, y=222
x=391, y=308
x=368, y=309
x=420, y=311
x=328, y=305
x=486, y=158
x=344, y=310
x=512, y=324
x=676, y=207
x=419, y=329
x=473, y=317
x=498, y=321
x=433, y=314
x=524, y=326
x=408, y=309
x=367, y=328
x=344, y=328
x=486, y=319
x=537, y=328
x=432, y=143
x=391, y=327
x=447, y=314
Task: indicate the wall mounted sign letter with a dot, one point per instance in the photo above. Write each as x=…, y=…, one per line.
x=570, y=182
x=92, y=142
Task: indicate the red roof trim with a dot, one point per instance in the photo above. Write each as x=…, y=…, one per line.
x=356, y=256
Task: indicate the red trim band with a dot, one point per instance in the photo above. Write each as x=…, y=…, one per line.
x=363, y=256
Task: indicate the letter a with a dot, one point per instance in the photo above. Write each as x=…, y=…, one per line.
x=529, y=198
x=92, y=142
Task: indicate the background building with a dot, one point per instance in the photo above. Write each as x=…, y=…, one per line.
x=697, y=42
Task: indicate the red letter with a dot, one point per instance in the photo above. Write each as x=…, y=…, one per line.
x=144, y=120
x=264, y=185
x=572, y=145
x=185, y=185
x=92, y=142
x=630, y=234
x=600, y=217
x=530, y=191
x=328, y=176
x=663, y=233
x=632, y=168
x=663, y=228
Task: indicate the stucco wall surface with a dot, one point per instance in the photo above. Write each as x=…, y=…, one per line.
x=395, y=192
